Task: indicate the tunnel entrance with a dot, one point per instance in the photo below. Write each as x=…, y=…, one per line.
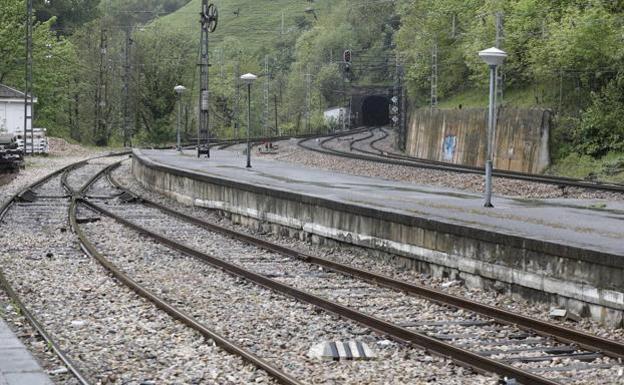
x=376, y=111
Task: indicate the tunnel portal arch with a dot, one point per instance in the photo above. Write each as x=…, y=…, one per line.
x=376, y=110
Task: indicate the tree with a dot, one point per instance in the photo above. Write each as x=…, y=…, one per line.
x=69, y=14
x=53, y=65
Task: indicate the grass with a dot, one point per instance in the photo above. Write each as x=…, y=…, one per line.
x=258, y=24
x=609, y=168
x=475, y=98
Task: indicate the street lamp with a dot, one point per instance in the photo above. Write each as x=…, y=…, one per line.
x=493, y=57
x=248, y=79
x=179, y=89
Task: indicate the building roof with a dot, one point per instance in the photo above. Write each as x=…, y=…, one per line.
x=7, y=92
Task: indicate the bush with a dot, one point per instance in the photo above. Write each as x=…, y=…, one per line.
x=602, y=124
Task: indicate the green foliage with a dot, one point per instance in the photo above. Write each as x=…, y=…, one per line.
x=566, y=53
x=609, y=168
x=69, y=14
x=601, y=129
x=159, y=74
x=52, y=64
x=563, y=54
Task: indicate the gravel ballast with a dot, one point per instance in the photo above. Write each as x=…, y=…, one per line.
x=113, y=335
x=277, y=328
x=350, y=255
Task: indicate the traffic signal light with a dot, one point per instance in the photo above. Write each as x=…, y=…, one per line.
x=347, y=56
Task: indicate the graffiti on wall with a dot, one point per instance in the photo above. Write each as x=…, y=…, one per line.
x=450, y=143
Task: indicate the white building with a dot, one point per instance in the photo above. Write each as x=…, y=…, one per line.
x=12, y=110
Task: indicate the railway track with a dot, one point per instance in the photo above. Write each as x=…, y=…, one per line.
x=477, y=336
x=358, y=151
x=48, y=277
x=254, y=310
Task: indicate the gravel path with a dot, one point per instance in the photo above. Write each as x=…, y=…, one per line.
x=290, y=152
x=277, y=328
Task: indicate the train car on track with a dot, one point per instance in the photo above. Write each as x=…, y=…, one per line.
x=11, y=157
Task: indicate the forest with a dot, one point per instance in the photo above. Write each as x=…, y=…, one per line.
x=565, y=55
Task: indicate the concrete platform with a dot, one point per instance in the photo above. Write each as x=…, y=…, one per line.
x=522, y=243
x=17, y=365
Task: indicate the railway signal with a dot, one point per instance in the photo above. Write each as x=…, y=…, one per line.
x=346, y=58
x=209, y=20
x=394, y=110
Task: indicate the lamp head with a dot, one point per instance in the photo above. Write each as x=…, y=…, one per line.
x=249, y=78
x=179, y=89
x=493, y=56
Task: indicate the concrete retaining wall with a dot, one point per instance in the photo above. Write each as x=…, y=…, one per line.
x=585, y=281
x=459, y=136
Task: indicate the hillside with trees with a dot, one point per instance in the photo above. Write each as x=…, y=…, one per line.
x=564, y=55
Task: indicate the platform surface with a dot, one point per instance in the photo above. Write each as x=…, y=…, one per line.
x=17, y=365
x=569, y=222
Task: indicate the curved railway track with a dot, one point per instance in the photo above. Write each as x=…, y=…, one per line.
x=483, y=338
x=51, y=202
x=477, y=336
x=375, y=154
x=24, y=196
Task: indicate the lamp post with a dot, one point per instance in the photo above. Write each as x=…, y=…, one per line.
x=248, y=79
x=494, y=57
x=179, y=89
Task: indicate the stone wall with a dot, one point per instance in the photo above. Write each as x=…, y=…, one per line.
x=459, y=136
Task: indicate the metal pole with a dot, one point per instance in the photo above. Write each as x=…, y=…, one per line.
x=126, y=89
x=203, y=128
x=434, y=75
x=276, y=123
x=490, y=140
x=179, y=146
x=248, y=125
x=28, y=90
x=237, y=101
x=499, y=70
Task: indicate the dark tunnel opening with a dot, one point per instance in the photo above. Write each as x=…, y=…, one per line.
x=376, y=111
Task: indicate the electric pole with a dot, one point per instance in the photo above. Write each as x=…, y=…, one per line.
x=100, y=92
x=403, y=111
x=397, y=85
x=308, y=99
x=267, y=85
x=126, y=90
x=28, y=90
x=209, y=17
x=498, y=44
x=237, y=99
x=434, y=75
x=276, y=124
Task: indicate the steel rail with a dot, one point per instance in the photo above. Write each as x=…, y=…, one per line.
x=257, y=140
x=404, y=160
x=567, y=335
x=38, y=326
x=353, y=142
x=89, y=248
x=183, y=317
x=460, y=356
x=47, y=337
x=554, y=180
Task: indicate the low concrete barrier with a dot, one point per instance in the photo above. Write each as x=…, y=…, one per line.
x=587, y=282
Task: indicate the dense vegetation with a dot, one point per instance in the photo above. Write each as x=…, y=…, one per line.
x=564, y=54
